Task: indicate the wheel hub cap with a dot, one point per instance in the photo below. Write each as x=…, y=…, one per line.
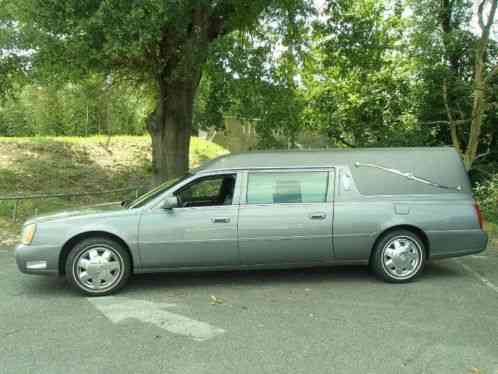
x=98, y=268
x=401, y=257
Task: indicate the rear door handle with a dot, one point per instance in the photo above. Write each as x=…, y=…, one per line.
x=318, y=215
x=220, y=220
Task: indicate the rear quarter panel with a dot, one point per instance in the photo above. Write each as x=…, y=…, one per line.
x=448, y=220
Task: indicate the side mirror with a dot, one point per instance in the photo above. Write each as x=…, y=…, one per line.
x=170, y=202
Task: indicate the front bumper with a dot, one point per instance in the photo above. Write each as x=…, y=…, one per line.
x=38, y=259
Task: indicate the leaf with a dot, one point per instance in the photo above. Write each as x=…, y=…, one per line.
x=215, y=300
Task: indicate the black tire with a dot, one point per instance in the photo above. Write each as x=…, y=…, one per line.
x=102, y=246
x=387, y=270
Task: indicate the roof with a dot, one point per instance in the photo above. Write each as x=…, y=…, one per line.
x=440, y=165
x=318, y=158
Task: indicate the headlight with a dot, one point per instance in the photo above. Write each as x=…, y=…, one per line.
x=28, y=233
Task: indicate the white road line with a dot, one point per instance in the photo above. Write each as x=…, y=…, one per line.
x=479, y=257
x=484, y=280
x=118, y=309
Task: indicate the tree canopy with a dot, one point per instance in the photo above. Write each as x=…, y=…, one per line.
x=356, y=72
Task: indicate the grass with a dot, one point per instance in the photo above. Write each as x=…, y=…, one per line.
x=45, y=164
x=74, y=164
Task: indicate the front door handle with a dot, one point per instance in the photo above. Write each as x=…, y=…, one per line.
x=318, y=215
x=220, y=220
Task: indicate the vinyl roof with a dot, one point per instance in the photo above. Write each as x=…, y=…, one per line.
x=440, y=165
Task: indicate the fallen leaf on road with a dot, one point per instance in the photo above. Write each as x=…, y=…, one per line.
x=215, y=300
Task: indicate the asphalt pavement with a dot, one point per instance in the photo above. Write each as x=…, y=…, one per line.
x=328, y=320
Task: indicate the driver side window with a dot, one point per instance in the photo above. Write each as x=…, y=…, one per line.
x=208, y=191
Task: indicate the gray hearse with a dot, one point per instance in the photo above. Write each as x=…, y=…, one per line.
x=391, y=208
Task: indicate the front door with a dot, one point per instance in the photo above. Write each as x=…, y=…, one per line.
x=286, y=217
x=202, y=231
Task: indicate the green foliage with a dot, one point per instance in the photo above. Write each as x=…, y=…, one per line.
x=346, y=77
x=11, y=63
x=255, y=75
x=487, y=195
x=358, y=73
x=133, y=40
x=362, y=84
x=442, y=47
x=93, y=106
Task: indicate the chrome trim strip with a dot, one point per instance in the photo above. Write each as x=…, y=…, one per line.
x=188, y=241
x=36, y=265
x=294, y=237
x=324, y=167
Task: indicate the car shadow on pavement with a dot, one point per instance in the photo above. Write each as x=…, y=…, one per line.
x=441, y=269
x=251, y=277
x=350, y=274
x=306, y=277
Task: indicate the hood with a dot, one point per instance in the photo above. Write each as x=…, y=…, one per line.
x=99, y=210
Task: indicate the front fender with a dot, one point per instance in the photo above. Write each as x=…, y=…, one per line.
x=56, y=234
x=124, y=228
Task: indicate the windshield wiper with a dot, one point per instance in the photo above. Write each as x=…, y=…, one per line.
x=409, y=176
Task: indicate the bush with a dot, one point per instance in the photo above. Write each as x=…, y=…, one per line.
x=487, y=195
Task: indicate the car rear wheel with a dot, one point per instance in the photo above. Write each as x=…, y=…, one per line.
x=399, y=256
x=98, y=266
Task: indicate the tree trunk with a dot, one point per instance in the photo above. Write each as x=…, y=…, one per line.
x=480, y=86
x=181, y=57
x=170, y=127
x=480, y=80
x=477, y=111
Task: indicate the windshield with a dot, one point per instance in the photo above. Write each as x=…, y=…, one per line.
x=155, y=192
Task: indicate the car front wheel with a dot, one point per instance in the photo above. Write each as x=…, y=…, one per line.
x=98, y=266
x=399, y=256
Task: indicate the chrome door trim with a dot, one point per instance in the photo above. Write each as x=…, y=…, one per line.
x=263, y=168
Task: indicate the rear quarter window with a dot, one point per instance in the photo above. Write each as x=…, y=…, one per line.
x=287, y=187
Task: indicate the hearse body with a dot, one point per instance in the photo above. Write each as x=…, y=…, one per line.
x=391, y=208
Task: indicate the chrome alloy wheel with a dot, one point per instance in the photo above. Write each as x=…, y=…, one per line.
x=98, y=268
x=402, y=257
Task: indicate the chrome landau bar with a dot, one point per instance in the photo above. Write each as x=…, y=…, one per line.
x=407, y=175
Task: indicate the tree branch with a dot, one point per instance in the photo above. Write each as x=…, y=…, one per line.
x=491, y=14
x=486, y=26
x=217, y=20
x=480, y=84
x=340, y=138
x=451, y=120
x=484, y=154
x=480, y=14
x=492, y=73
x=443, y=122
